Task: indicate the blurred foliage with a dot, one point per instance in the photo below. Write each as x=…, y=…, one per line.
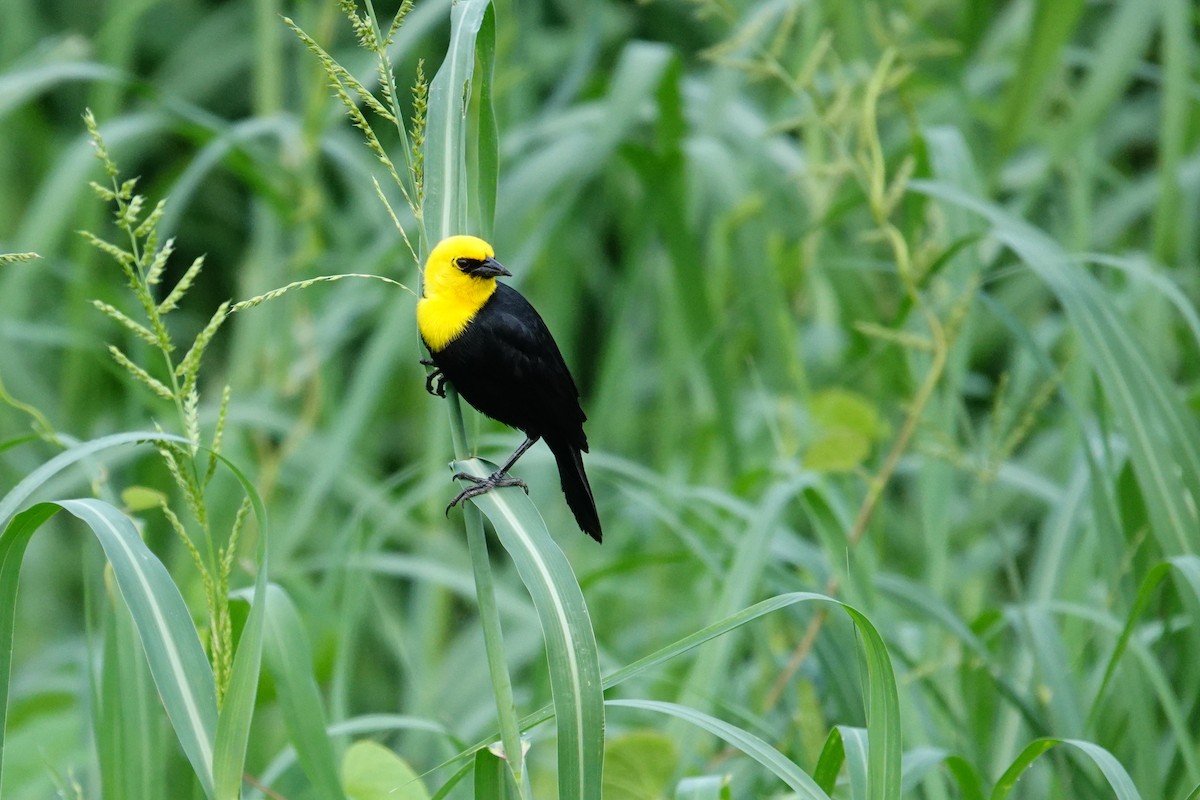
x=893, y=301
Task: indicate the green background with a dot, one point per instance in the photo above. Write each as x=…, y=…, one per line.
x=889, y=301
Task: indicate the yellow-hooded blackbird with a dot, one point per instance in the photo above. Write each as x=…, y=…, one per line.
x=490, y=343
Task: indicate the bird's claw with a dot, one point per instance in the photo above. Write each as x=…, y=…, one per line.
x=483, y=486
x=437, y=375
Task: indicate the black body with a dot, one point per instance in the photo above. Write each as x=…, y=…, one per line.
x=507, y=365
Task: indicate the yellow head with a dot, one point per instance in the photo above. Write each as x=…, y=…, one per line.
x=460, y=276
x=461, y=265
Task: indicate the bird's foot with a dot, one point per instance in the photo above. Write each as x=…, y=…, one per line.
x=437, y=375
x=483, y=485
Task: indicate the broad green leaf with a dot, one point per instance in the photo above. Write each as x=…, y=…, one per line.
x=357, y=726
x=837, y=450
x=133, y=744
x=142, y=498
x=638, y=765
x=370, y=771
x=177, y=661
x=567, y=629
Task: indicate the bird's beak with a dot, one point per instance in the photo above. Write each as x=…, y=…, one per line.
x=490, y=268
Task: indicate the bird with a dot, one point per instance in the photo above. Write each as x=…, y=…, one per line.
x=493, y=347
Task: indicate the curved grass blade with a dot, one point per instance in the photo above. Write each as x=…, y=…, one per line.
x=854, y=742
x=38, y=478
x=177, y=661
x=233, y=725
x=762, y=752
x=289, y=660
x=883, y=705
x=13, y=540
x=570, y=642
x=1114, y=773
x=1164, y=440
x=366, y=724
x=1188, y=569
x=918, y=763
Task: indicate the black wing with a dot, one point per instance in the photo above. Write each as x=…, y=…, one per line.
x=508, y=366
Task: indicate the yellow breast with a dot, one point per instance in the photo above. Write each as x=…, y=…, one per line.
x=441, y=320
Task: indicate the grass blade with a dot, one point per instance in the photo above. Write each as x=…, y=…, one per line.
x=289, y=660
x=1164, y=442
x=1112, y=770
x=80, y=452
x=177, y=661
x=445, y=209
x=1188, y=570
x=233, y=726
x=13, y=540
x=131, y=747
x=486, y=145
x=747, y=742
x=566, y=626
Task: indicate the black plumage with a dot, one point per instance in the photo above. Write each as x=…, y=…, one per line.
x=507, y=365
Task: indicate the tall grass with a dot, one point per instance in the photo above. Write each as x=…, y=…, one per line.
x=885, y=323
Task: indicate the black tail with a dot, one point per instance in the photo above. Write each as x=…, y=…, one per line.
x=575, y=486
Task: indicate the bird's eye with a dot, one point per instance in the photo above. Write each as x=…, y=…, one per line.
x=466, y=264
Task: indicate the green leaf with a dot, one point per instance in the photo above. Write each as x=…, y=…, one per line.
x=837, y=450
x=177, y=661
x=80, y=452
x=486, y=145
x=493, y=779
x=370, y=771
x=638, y=765
x=445, y=202
x=747, y=742
x=289, y=659
x=133, y=750
x=142, y=498
x=1118, y=779
x=842, y=408
x=567, y=629
x=1053, y=24
x=883, y=705
x=705, y=787
x=233, y=725
x=1188, y=570
x=1164, y=441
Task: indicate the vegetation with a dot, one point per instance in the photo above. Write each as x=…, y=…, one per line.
x=885, y=320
